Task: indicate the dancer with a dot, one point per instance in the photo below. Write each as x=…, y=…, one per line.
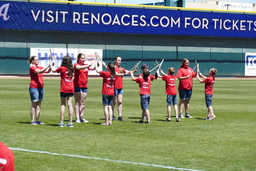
x=118, y=88
x=170, y=91
x=36, y=88
x=66, y=71
x=208, y=90
x=107, y=91
x=185, y=76
x=144, y=82
x=81, y=86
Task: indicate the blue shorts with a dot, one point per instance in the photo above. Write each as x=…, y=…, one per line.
x=119, y=92
x=185, y=94
x=36, y=94
x=144, y=101
x=81, y=89
x=107, y=100
x=64, y=95
x=171, y=100
x=208, y=100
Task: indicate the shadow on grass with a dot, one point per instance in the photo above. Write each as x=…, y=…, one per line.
x=200, y=118
x=134, y=117
x=162, y=120
x=24, y=123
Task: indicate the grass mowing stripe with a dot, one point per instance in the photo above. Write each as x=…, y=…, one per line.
x=105, y=159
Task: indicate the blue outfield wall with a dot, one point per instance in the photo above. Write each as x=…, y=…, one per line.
x=214, y=38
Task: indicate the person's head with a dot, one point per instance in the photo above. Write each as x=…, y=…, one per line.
x=171, y=70
x=118, y=60
x=213, y=72
x=80, y=58
x=144, y=67
x=146, y=73
x=111, y=68
x=184, y=63
x=33, y=60
x=67, y=62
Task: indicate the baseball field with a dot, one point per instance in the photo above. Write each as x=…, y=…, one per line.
x=226, y=143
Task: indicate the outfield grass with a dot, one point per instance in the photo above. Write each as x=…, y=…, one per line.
x=226, y=143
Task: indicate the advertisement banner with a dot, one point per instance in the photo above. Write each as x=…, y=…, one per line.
x=83, y=18
x=235, y=6
x=45, y=56
x=250, y=64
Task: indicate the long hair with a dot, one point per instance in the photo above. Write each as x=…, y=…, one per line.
x=183, y=62
x=67, y=62
x=30, y=59
x=111, y=67
x=146, y=73
x=79, y=56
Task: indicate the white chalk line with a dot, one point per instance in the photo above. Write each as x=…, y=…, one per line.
x=104, y=159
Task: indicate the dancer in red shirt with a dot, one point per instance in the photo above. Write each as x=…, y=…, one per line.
x=6, y=158
x=66, y=89
x=170, y=91
x=107, y=91
x=208, y=90
x=185, y=75
x=118, y=88
x=36, y=88
x=144, y=86
x=81, y=86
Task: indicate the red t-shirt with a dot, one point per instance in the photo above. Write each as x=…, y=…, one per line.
x=66, y=83
x=170, y=88
x=186, y=84
x=119, y=80
x=6, y=158
x=108, y=83
x=36, y=80
x=81, y=77
x=208, y=87
x=144, y=84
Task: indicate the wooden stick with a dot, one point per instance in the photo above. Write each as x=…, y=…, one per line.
x=135, y=66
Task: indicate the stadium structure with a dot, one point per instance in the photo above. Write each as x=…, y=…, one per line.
x=214, y=34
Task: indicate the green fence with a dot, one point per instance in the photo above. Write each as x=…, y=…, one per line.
x=226, y=54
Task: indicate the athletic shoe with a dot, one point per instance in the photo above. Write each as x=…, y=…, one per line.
x=69, y=125
x=39, y=122
x=78, y=120
x=147, y=122
x=113, y=118
x=61, y=124
x=168, y=120
x=141, y=121
x=212, y=117
x=188, y=116
x=84, y=121
x=181, y=116
x=120, y=118
x=207, y=118
x=33, y=123
x=104, y=124
x=177, y=119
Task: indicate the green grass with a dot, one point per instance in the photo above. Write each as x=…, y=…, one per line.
x=227, y=143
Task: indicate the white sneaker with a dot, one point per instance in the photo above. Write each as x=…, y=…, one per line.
x=78, y=121
x=181, y=116
x=84, y=121
x=212, y=117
